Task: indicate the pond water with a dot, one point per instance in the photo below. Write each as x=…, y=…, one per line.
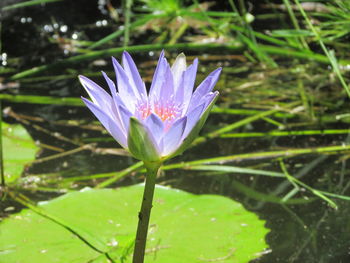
x=304, y=228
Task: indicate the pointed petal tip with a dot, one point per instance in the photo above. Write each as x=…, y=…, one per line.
x=83, y=78
x=126, y=56
x=126, y=53
x=161, y=55
x=86, y=101
x=214, y=75
x=211, y=97
x=217, y=71
x=116, y=64
x=104, y=74
x=114, y=60
x=193, y=67
x=87, y=83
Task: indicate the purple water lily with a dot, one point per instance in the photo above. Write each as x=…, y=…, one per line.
x=162, y=123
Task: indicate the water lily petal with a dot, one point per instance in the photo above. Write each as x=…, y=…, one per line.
x=97, y=94
x=172, y=139
x=110, y=83
x=194, y=116
x=111, y=125
x=158, y=79
x=192, y=119
x=205, y=87
x=117, y=102
x=141, y=143
x=133, y=74
x=206, y=99
x=195, y=130
x=213, y=77
x=177, y=69
x=125, y=116
x=128, y=93
x=184, y=92
x=167, y=89
x=116, y=97
x=156, y=125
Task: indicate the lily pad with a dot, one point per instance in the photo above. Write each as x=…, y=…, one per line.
x=18, y=149
x=99, y=225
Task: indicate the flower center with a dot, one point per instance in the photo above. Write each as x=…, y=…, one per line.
x=167, y=111
x=143, y=109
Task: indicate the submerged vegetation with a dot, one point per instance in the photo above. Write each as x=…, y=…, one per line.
x=277, y=140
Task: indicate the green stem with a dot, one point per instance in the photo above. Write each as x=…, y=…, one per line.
x=145, y=212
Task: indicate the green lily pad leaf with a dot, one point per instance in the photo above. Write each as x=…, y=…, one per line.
x=183, y=228
x=18, y=149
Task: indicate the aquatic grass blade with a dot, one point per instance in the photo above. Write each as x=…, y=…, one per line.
x=28, y=3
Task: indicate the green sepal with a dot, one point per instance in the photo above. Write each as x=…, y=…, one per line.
x=140, y=144
x=195, y=131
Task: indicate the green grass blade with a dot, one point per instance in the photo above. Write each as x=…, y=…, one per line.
x=231, y=169
x=28, y=3
x=113, y=51
x=303, y=43
x=119, y=32
x=330, y=54
x=120, y=174
x=258, y=196
x=285, y=133
x=233, y=126
x=297, y=182
x=69, y=101
x=287, y=153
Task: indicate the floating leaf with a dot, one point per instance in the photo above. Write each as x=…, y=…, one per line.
x=18, y=149
x=183, y=228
